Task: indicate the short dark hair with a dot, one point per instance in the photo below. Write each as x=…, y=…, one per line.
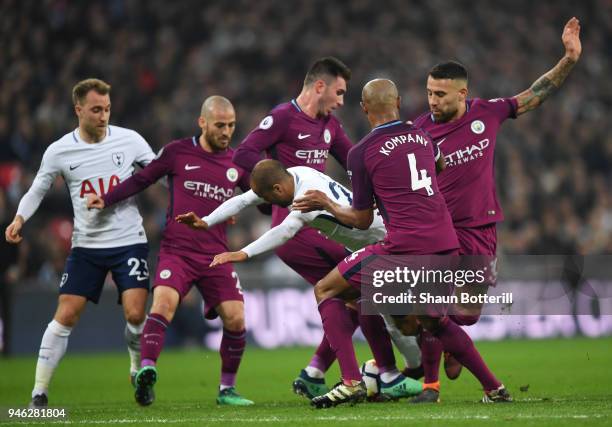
x=82, y=88
x=449, y=70
x=328, y=66
x=268, y=172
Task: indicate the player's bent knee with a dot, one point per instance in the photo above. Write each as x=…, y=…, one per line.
x=234, y=323
x=465, y=319
x=319, y=291
x=67, y=319
x=232, y=315
x=165, y=301
x=135, y=317
x=164, y=308
x=67, y=316
x=324, y=290
x=69, y=309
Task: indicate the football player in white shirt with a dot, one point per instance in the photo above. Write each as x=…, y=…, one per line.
x=92, y=159
x=272, y=183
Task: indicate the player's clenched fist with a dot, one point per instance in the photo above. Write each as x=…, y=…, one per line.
x=192, y=220
x=13, y=231
x=571, y=39
x=95, y=202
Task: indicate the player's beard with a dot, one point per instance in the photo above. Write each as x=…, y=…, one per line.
x=445, y=117
x=95, y=133
x=216, y=144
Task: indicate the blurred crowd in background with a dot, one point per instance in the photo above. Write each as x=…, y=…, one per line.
x=163, y=58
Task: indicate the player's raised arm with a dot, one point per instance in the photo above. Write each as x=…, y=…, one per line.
x=548, y=84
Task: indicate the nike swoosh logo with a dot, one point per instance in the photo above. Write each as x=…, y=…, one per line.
x=74, y=167
x=440, y=141
x=300, y=136
x=189, y=167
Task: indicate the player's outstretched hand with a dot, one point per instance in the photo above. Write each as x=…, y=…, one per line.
x=192, y=220
x=571, y=39
x=13, y=231
x=95, y=202
x=313, y=200
x=226, y=257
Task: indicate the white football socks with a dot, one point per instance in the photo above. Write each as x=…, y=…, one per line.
x=314, y=372
x=407, y=345
x=389, y=376
x=132, y=339
x=52, y=349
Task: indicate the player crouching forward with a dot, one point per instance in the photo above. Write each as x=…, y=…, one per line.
x=202, y=176
x=271, y=182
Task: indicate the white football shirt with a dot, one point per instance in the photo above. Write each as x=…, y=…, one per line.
x=93, y=169
x=305, y=179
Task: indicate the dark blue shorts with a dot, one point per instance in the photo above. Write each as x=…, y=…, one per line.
x=86, y=270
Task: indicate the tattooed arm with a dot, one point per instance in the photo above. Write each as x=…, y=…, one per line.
x=548, y=84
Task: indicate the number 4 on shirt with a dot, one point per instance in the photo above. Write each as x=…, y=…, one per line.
x=417, y=182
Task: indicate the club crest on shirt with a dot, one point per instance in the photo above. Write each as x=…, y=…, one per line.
x=118, y=159
x=266, y=123
x=327, y=136
x=164, y=274
x=478, y=127
x=232, y=174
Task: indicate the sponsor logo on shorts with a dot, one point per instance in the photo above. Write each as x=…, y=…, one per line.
x=164, y=274
x=478, y=127
x=232, y=174
x=64, y=279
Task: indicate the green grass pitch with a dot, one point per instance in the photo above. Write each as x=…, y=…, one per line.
x=565, y=382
